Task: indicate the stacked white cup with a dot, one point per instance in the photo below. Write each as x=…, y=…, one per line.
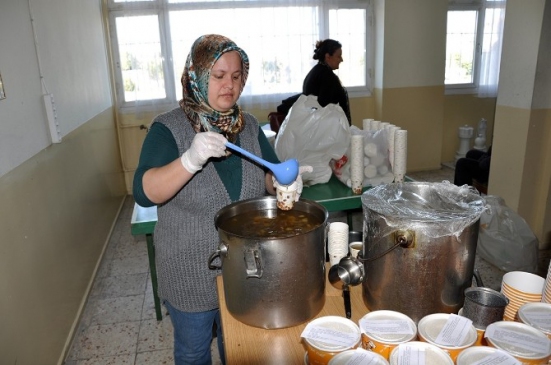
x=357, y=163
x=337, y=242
x=400, y=155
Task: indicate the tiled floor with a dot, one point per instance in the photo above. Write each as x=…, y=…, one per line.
x=118, y=325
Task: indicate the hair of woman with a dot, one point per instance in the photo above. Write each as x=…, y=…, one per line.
x=325, y=46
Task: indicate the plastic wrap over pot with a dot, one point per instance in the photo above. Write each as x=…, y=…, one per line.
x=411, y=205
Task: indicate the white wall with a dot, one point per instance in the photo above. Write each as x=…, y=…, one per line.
x=73, y=64
x=542, y=88
x=58, y=202
x=516, y=89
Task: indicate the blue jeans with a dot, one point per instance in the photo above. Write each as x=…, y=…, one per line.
x=193, y=336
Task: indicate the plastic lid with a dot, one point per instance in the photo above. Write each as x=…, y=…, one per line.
x=476, y=353
x=378, y=326
x=433, y=354
x=518, y=339
x=537, y=315
x=372, y=358
x=336, y=323
x=430, y=326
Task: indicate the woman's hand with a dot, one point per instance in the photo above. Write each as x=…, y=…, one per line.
x=162, y=183
x=204, y=146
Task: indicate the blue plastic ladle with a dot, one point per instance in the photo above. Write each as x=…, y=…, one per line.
x=285, y=172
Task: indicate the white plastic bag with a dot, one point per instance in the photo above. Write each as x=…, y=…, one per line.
x=314, y=136
x=505, y=239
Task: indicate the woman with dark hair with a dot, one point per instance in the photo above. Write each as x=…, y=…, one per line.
x=322, y=82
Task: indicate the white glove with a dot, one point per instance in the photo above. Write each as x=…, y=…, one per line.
x=204, y=146
x=301, y=170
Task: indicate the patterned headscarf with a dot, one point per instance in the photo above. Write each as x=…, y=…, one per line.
x=206, y=50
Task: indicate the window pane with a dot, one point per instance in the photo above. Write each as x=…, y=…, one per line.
x=140, y=58
x=460, y=46
x=348, y=27
x=279, y=48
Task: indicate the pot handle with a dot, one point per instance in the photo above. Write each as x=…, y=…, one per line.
x=253, y=263
x=477, y=278
x=404, y=238
x=347, y=306
x=221, y=252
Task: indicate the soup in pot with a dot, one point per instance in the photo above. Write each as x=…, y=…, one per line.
x=271, y=223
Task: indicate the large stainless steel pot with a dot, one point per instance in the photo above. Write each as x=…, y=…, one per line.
x=419, y=246
x=272, y=283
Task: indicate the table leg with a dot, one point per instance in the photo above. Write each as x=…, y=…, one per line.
x=153, y=273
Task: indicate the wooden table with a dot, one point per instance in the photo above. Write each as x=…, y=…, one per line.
x=247, y=345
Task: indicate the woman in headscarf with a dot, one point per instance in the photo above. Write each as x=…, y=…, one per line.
x=187, y=172
x=322, y=82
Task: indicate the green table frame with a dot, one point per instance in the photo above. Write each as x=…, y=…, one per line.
x=333, y=195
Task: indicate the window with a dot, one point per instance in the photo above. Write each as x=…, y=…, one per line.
x=461, y=42
x=150, y=41
x=473, y=45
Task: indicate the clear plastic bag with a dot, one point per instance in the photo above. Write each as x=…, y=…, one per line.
x=314, y=135
x=377, y=168
x=505, y=239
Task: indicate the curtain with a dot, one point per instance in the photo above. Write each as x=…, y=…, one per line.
x=494, y=17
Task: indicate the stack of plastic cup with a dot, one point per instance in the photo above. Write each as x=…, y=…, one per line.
x=546, y=295
x=366, y=123
x=337, y=242
x=400, y=155
x=520, y=288
x=357, y=163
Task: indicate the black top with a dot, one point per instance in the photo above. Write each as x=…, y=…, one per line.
x=322, y=82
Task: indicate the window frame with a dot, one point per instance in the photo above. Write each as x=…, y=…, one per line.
x=167, y=72
x=161, y=9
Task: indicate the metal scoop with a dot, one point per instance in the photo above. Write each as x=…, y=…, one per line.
x=285, y=172
x=348, y=272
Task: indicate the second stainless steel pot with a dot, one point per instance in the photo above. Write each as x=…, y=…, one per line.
x=419, y=246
